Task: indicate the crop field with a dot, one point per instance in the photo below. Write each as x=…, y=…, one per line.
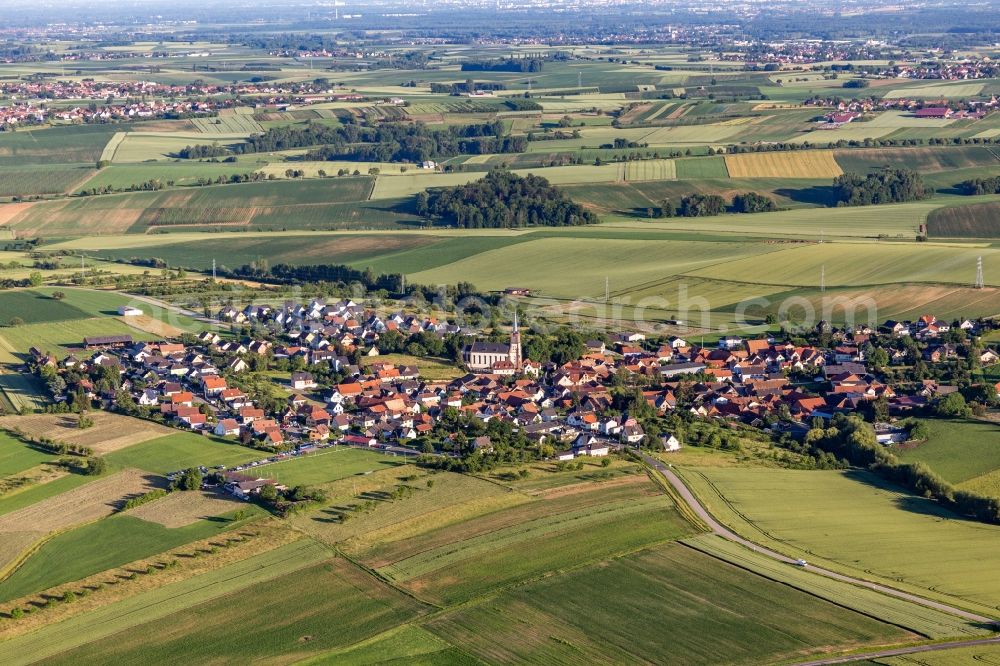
x=88, y=502
x=552, y=265
x=980, y=220
x=854, y=521
x=21, y=391
x=181, y=450
x=822, y=137
x=650, y=170
x=919, y=619
x=959, y=451
x=954, y=90
x=333, y=605
x=154, y=604
x=143, y=146
x=71, y=555
x=62, y=145
x=864, y=265
x=409, y=644
x=240, y=205
x=28, y=180
x=922, y=159
x=231, y=123
x=707, y=612
x=801, y=164
x=907, y=119
x=34, y=307
x=180, y=173
x=290, y=249
x=701, y=167
x=110, y=432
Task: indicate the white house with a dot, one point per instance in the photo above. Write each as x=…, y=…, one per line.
x=670, y=443
x=129, y=311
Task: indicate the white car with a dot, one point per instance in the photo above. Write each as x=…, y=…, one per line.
x=801, y=563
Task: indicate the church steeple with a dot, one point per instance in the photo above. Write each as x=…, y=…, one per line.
x=515, y=344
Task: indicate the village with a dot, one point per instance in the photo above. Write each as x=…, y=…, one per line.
x=335, y=390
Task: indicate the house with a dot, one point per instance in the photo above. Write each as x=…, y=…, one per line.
x=227, y=427
x=129, y=311
x=934, y=112
x=670, y=442
x=302, y=381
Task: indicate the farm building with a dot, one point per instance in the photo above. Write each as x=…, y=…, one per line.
x=934, y=112
x=96, y=341
x=129, y=311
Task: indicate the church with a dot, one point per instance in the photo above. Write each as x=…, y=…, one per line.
x=495, y=357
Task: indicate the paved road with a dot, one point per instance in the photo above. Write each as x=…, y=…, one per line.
x=726, y=533
x=901, y=651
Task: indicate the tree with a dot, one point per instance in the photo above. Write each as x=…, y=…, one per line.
x=701, y=205
x=58, y=295
x=36, y=279
x=190, y=479
x=751, y=202
x=952, y=405
x=95, y=466
x=269, y=493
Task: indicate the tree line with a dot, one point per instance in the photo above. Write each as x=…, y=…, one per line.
x=882, y=186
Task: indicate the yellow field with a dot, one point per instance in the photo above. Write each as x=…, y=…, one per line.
x=183, y=508
x=110, y=432
x=811, y=164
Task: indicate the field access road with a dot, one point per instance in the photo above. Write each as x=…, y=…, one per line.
x=724, y=532
x=916, y=649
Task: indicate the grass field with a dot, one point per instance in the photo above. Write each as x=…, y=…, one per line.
x=429, y=368
x=801, y=164
x=958, y=450
x=701, y=167
x=16, y=456
x=409, y=644
x=854, y=521
x=62, y=337
x=180, y=173
x=706, y=612
x=35, y=307
x=29, y=180
x=62, y=145
x=956, y=90
x=161, y=602
x=923, y=159
x=181, y=450
x=328, y=465
x=322, y=607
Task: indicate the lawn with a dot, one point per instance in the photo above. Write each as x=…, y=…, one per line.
x=705, y=611
x=180, y=451
x=852, y=521
x=430, y=368
x=154, y=604
x=327, y=465
x=958, y=450
x=326, y=606
x=72, y=555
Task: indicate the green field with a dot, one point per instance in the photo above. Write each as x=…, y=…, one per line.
x=16, y=456
x=315, y=609
x=409, y=644
x=71, y=555
x=701, y=167
x=180, y=451
x=327, y=465
x=161, y=602
x=854, y=522
x=705, y=611
x=65, y=145
x=34, y=307
x=958, y=450
x=62, y=337
x=42, y=179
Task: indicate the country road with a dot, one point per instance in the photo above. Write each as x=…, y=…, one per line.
x=724, y=532
x=916, y=649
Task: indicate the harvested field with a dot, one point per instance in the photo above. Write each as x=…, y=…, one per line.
x=11, y=211
x=148, y=324
x=88, y=502
x=812, y=164
x=13, y=544
x=183, y=508
x=651, y=170
x=110, y=432
x=34, y=476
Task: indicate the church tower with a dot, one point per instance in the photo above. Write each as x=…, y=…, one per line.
x=515, y=344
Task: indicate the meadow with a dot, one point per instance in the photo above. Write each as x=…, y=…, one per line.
x=181, y=450
x=958, y=450
x=55, y=145
x=35, y=307
x=63, y=337
x=707, y=612
x=29, y=180
x=852, y=521
x=327, y=465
